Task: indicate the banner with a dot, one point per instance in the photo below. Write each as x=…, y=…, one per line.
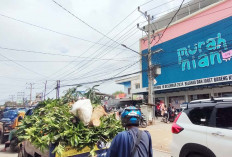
x=210, y=80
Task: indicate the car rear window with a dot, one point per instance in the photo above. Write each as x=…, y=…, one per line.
x=200, y=115
x=224, y=118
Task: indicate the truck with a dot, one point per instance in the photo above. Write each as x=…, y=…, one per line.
x=11, y=119
x=27, y=149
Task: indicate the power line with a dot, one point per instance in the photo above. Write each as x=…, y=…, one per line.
x=22, y=66
x=99, y=54
x=128, y=15
x=86, y=23
x=84, y=65
x=170, y=21
x=45, y=53
x=98, y=40
x=83, y=21
x=108, y=79
x=50, y=30
x=100, y=73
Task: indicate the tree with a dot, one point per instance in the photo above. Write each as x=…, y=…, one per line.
x=72, y=94
x=91, y=94
x=117, y=92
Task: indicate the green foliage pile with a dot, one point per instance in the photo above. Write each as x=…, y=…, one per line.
x=52, y=123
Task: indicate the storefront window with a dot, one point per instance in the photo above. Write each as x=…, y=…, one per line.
x=176, y=101
x=199, y=96
x=226, y=94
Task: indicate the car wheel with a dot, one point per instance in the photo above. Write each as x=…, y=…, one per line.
x=196, y=150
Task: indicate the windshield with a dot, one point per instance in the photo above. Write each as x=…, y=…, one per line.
x=10, y=114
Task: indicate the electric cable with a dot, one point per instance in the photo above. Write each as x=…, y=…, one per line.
x=22, y=66
x=84, y=22
x=50, y=30
x=170, y=22
x=98, y=40
x=97, y=55
x=85, y=66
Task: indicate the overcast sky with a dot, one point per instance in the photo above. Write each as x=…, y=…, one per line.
x=87, y=42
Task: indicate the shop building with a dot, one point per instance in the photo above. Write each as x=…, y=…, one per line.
x=196, y=53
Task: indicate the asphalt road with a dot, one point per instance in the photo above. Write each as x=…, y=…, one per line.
x=9, y=154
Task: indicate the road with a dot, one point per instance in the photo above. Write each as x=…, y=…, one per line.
x=9, y=154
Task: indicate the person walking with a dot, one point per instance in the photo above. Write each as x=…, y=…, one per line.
x=132, y=142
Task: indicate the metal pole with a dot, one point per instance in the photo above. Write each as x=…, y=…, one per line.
x=45, y=88
x=30, y=93
x=57, y=89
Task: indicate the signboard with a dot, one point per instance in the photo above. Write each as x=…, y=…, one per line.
x=190, y=83
x=39, y=97
x=200, y=57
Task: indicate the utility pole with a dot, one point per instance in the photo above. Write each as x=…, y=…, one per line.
x=12, y=97
x=57, y=89
x=31, y=87
x=151, y=69
x=150, y=77
x=45, y=88
x=20, y=96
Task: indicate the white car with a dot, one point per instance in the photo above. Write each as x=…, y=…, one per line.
x=203, y=129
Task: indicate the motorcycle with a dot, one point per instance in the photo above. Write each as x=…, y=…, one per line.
x=165, y=117
x=173, y=116
x=143, y=121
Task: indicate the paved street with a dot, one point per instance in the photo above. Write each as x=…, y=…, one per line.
x=161, y=135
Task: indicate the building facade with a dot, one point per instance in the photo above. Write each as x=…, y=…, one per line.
x=196, y=53
x=131, y=85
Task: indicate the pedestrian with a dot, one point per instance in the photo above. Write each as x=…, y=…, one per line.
x=132, y=142
x=7, y=143
x=163, y=109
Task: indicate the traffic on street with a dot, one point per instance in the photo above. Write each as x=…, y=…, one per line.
x=125, y=78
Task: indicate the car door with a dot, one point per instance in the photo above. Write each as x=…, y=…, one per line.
x=219, y=135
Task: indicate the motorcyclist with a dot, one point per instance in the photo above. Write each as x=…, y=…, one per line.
x=132, y=142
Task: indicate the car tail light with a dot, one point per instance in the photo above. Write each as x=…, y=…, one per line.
x=176, y=129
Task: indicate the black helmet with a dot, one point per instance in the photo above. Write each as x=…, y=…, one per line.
x=130, y=116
